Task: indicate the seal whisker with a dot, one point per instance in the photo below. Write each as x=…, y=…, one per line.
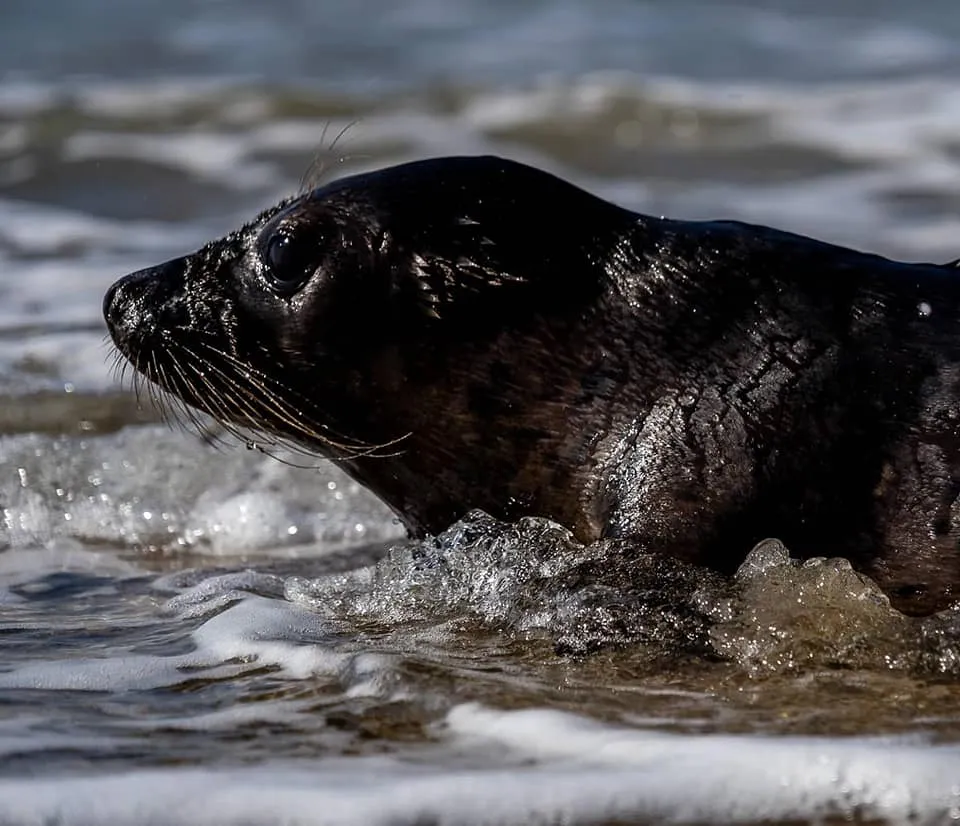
x=177, y=412
x=138, y=381
x=236, y=397
x=165, y=401
x=277, y=403
x=198, y=386
x=314, y=173
x=275, y=407
x=119, y=366
x=154, y=396
x=229, y=401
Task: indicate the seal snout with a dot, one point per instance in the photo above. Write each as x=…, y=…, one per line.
x=133, y=304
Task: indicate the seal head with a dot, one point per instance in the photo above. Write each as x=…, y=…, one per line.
x=418, y=325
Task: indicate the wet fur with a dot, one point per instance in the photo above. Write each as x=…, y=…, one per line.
x=475, y=333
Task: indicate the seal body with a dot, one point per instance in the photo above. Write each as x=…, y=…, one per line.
x=466, y=333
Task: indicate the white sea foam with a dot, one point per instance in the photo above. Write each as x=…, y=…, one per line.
x=41, y=229
x=555, y=768
x=31, y=734
x=150, y=486
x=246, y=632
x=212, y=157
x=886, y=120
x=156, y=98
x=25, y=97
x=882, y=118
x=20, y=565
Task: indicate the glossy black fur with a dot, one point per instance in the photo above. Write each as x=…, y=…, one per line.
x=471, y=332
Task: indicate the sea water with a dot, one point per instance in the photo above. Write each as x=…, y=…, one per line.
x=196, y=633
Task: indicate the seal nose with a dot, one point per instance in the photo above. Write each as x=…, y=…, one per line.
x=131, y=304
x=111, y=309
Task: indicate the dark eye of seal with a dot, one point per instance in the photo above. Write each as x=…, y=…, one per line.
x=290, y=259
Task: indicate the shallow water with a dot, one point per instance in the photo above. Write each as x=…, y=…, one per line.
x=202, y=634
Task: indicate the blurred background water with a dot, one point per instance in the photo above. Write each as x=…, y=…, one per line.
x=131, y=641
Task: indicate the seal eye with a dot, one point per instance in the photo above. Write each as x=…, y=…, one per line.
x=290, y=260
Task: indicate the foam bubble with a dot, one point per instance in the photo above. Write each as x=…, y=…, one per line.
x=777, y=615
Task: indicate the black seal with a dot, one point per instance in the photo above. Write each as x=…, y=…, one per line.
x=466, y=333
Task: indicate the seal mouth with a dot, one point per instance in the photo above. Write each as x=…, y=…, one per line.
x=141, y=310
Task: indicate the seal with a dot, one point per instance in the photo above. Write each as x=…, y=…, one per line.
x=470, y=332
